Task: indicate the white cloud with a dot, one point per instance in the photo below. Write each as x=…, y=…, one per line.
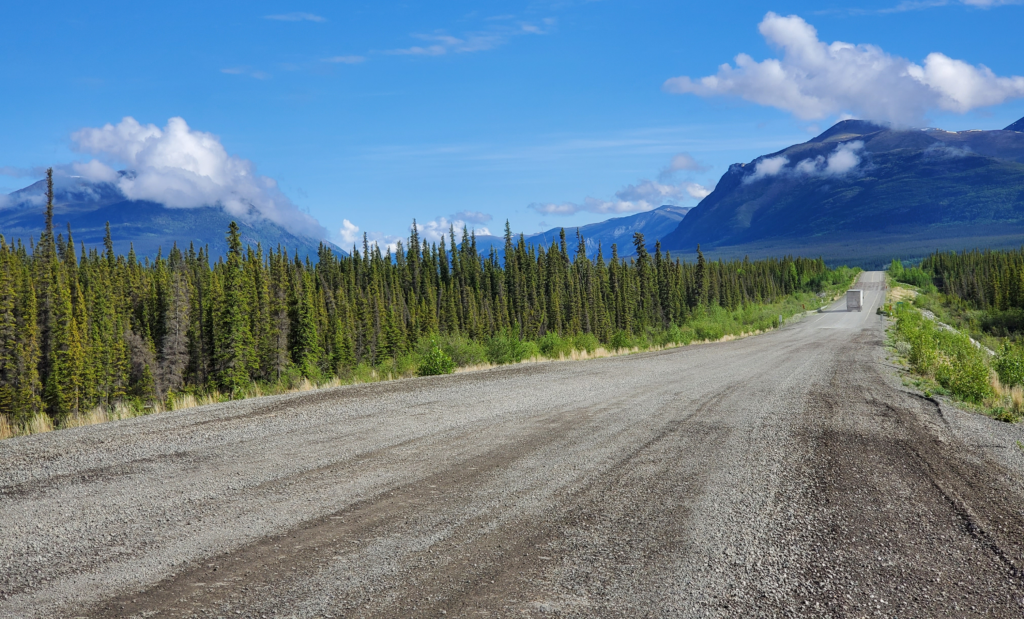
x=183, y=168
x=683, y=162
x=815, y=80
x=349, y=234
x=645, y=195
x=296, y=17
x=95, y=171
x=439, y=43
x=436, y=230
x=475, y=217
x=768, y=167
x=842, y=161
x=345, y=59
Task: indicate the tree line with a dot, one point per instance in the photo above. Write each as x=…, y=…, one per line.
x=987, y=280
x=81, y=328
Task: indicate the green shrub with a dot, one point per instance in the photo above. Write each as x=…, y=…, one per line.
x=706, y=330
x=923, y=352
x=435, y=362
x=966, y=374
x=1009, y=364
x=621, y=340
x=505, y=347
x=551, y=346
x=463, y=350
x=529, y=350
x=585, y=341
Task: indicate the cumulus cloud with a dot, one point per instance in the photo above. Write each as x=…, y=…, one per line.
x=296, y=17
x=645, y=195
x=345, y=59
x=844, y=160
x=436, y=230
x=183, y=168
x=349, y=234
x=351, y=237
x=815, y=80
x=768, y=167
x=95, y=171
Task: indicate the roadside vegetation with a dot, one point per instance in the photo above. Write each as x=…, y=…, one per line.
x=959, y=328
x=88, y=336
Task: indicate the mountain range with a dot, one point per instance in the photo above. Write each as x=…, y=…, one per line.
x=863, y=193
x=653, y=224
x=860, y=193
x=145, y=226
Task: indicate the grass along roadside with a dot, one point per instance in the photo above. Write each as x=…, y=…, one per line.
x=944, y=361
x=713, y=324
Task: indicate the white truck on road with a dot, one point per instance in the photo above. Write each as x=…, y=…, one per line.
x=854, y=300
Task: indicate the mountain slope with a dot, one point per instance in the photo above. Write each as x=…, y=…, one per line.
x=146, y=226
x=861, y=193
x=653, y=224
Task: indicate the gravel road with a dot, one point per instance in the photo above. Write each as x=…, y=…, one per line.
x=787, y=474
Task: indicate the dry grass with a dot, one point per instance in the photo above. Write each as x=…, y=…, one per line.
x=188, y=400
x=898, y=293
x=1011, y=398
x=6, y=431
x=38, y=424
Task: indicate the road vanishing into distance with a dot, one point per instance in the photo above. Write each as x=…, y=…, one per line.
x=788, y=474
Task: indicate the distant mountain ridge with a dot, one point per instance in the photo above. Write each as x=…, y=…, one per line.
x=653, y=224
x=864, y=193
x=145, y=226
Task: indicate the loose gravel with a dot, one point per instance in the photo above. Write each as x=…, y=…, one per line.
x=788, y=474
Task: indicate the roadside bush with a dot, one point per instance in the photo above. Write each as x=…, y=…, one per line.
x=1009, y=364
x=965, y=374
x=621, y=340
x=463, y=350
x=435, y=362
x=585, y=341
x=706, y=330
x=505, y=347
x=529, y=350
x=551, y=346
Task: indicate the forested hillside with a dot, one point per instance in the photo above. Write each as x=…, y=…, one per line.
x=83, y=329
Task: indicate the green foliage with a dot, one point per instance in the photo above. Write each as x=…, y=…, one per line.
x=1009, y=364
x=914, y=276
x=504, y=347
x=955, y=361
x=435, y=362
x=90, y=328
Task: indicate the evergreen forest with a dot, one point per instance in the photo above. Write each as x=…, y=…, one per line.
x=81, y=329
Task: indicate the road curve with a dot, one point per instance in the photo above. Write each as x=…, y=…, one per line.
x=787, y=474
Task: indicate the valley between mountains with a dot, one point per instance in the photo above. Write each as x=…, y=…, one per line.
x=778, y=475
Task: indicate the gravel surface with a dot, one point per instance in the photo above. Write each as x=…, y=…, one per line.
x=782, y=475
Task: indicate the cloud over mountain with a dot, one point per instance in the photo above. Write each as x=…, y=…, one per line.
x=815, y=80
x=183, y=168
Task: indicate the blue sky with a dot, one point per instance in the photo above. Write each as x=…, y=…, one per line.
x=542, y=113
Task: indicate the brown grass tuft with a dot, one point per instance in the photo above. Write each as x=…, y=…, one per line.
x=6, y=431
